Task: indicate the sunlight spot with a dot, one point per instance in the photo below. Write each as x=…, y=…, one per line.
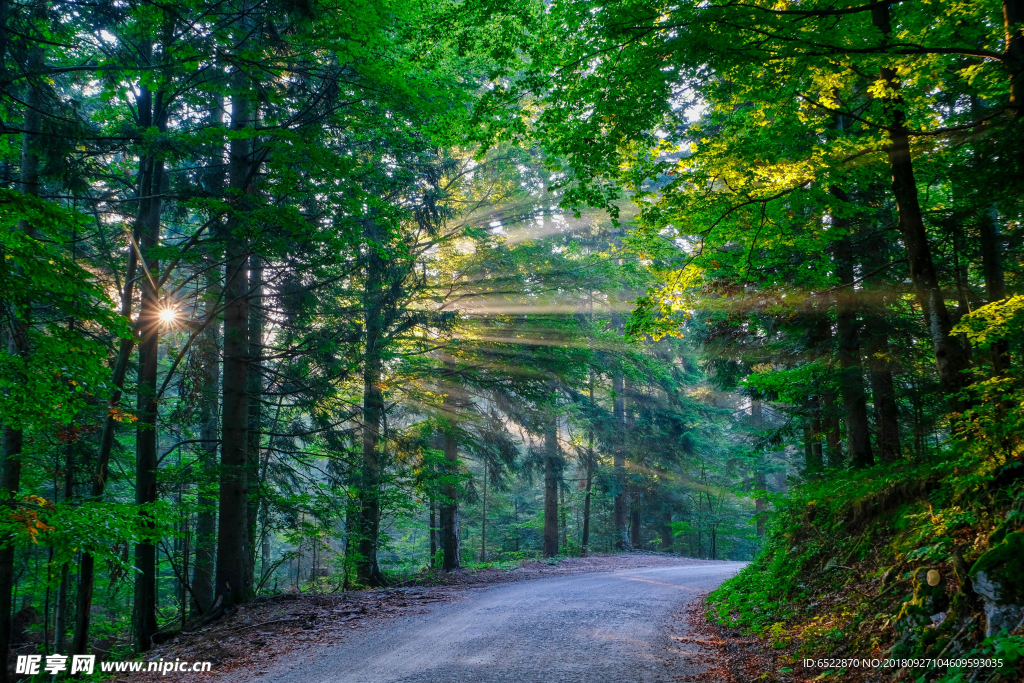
x=168, y=315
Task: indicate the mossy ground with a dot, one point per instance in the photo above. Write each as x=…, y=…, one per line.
x=844, y=573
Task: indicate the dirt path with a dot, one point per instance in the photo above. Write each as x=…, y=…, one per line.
x=608, y=627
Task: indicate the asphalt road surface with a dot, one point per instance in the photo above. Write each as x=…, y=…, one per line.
x=606, y=627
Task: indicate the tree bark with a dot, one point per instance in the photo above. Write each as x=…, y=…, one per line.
x=203, y=576
x=1013, y=21
x=833, y=456
x=61, y=610
x=883, y=388
x=995, y=284
x=483, y=521
x=816, y=445
x=551, y=487
x=60, y=617
x=666, y=530
x=761, y=503
x=208, y=347
x=635, y=532
x=949, y=354
x=883, y=393
x=760, y=481
x=585, y=541
x=451, y=557
x=812, y=447
x=368, y=571
x=146, y=456
x=851, y=373
x=254, y=384
x=17, y=345
x=563, y=515
x=10, y=482
x=433, y=531
x=619, y=462
x=232, y=572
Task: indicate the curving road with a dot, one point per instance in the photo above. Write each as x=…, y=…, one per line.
x=606, y=627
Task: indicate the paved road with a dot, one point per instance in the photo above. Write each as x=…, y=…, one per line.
x=607, y=627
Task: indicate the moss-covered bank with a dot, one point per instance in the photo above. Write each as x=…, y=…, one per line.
x=911, y=561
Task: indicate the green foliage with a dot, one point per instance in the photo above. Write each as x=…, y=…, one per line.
x=992, y=322
x=62, y=362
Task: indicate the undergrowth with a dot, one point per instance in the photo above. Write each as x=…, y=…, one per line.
x=844, y=570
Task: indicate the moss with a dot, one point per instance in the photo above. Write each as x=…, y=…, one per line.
x=1002, y=565
x=959, y=607
x=930, y=597
x=997, y=536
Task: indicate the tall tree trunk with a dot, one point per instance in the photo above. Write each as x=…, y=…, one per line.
x=832, y=427
x=585, y=541
x=451, y=558
x=232, y=572
x=264, y=509
x=635, y=532
x=812, y=447
x=551, y=487
x=883, y=388
x=60, y=618
x=483, y=521
x=563, y=515
x=761, y=503
x=995, y=284
x=208, y=347
x=255, y=389
x=666, y=530
x=819, y=345
x=619, y=462
x=950, y=358
x=368, y=571
x=816, y=445
x=449, y=532
x=265, y=545
x=146, y=456
x=851, y=373
x=883, y=392
x=17, y=345
x=760, y=481
x=433, y=532
x=1013, y=21
x=10, y=482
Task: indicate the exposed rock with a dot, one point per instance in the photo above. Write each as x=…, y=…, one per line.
x=998, y=579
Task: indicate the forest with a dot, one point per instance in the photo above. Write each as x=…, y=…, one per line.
x=319, y=296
